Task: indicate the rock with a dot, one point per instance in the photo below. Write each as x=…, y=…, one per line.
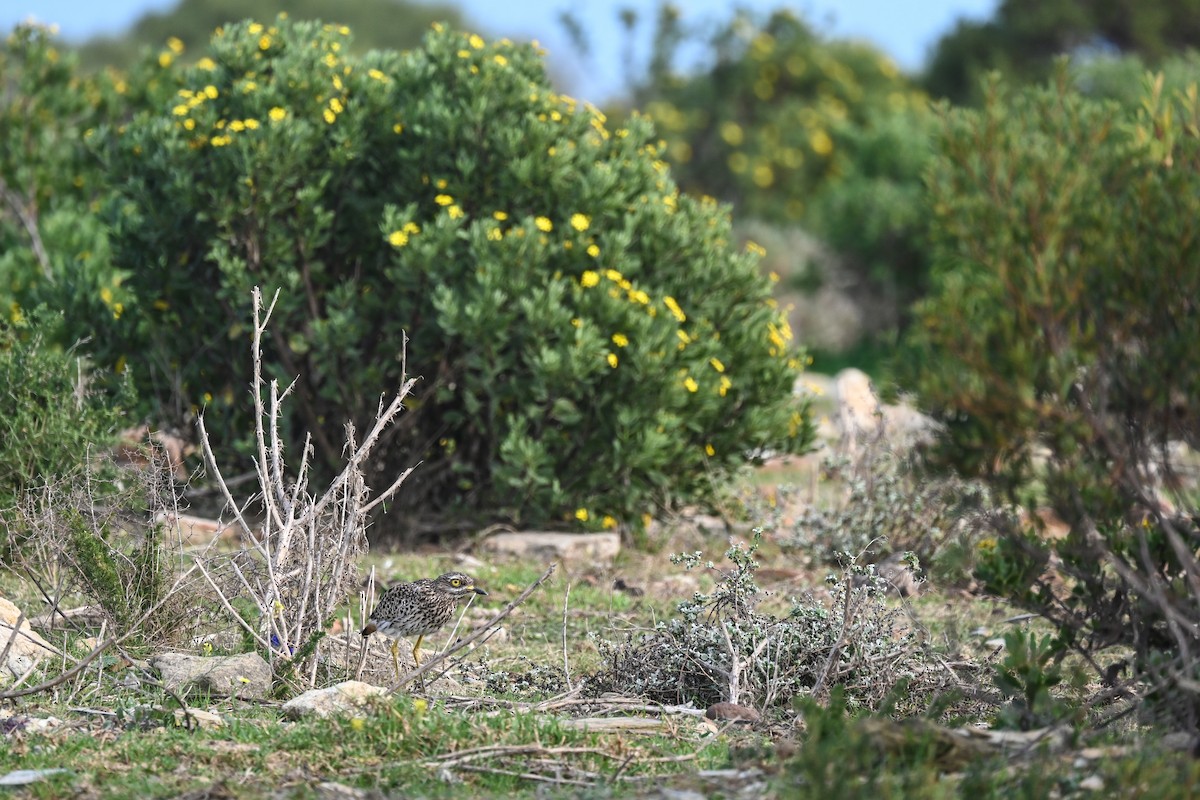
x=24, y=777
x=198, y=531
x=344, y=698
x=205, y=720
x=145, y=449
x=593, y=548
x=246, y=676
x=861, y=416
x=27, y=646
x=732, y=712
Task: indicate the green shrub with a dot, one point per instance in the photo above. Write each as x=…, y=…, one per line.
x=1059, y=346
x=793, y=128
x=52, y=421
x=53, y=249
x=589, y=340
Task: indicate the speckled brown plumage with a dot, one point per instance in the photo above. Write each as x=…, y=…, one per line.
x=418, y=608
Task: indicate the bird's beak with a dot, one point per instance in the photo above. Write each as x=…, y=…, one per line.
x=479, y=591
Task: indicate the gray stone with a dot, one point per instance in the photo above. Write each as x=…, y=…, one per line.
x=246, y=676
x=343, y=698
x=593, y=548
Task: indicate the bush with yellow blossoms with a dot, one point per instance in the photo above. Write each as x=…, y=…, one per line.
x=591, y=344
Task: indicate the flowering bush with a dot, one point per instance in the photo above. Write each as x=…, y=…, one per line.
x=589, y=340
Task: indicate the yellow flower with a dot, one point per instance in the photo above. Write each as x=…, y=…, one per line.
x=612, y=360
x=398, y=238
x=180, y=110
x=710, y=450
x=821, y=143
x=189, y=124
x=219, y=141
x=210, y=92
x=277, y=113
x=580, y=222
x=329, y=116
x=464, y=54
x=581, y=514
x=593, y=251
x=376, y=74
x=690, y=384
x=500, y=215
x=344, y=30
x=576, y=322
x=620, y=339
x=544, y=224
x=674, y=308
x=499, y=59
x=495, y=234
x=237, y=126
x=165, y=59
x=175, y=45
x=608, y=523
x=444, y=200
x=716, y=364
x=358, y=724
x=251, y=124
x=589, y=279
x=206, y=64
x=757, y=249
x=330, y=60
x=724, y=387
x=476, y=41
x=398, y=128
x=264, y=43
x=411, y=227
x=638, y=296
x=455, y=212
x=335, y=105
x=255, y=28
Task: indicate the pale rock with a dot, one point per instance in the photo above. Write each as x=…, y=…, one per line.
x=27, y=646
x=343, y=698
x=246, y=676
x=592, y=548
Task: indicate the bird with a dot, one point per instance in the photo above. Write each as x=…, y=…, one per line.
x=418, y=609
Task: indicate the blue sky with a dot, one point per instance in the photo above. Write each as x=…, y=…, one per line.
x=905, y=31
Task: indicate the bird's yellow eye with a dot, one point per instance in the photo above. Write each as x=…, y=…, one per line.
x=455, y=582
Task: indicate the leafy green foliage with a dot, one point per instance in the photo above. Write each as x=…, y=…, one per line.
x=1031, y=667
x=1023, y=38
x=1059, y=348
x=796, y=129
x=590, y=341
x=51, y=420
x=53, y=249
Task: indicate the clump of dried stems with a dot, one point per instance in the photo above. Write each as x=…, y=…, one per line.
x=295, y=564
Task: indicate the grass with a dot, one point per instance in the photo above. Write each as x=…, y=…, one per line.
x=511, y=727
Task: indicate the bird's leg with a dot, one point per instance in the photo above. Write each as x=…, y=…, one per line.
x=396, y=658
x=416, y=659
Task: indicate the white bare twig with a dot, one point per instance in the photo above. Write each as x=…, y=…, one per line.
x=297, y=566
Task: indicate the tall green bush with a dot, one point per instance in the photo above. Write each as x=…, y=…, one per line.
x=53, y=250
x=52, y=420
x=589, y=340
x=794, y=128
x=1059, y=345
